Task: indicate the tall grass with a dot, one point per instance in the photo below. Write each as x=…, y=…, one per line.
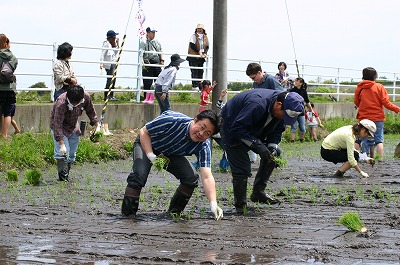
x=30, y=150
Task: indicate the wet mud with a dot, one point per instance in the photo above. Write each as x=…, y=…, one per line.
x=80, y=222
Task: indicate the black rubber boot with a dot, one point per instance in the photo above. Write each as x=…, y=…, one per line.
x=180, y=199
x=240, y=194
x=260, y=183
x=62, y=168
x=130, y=203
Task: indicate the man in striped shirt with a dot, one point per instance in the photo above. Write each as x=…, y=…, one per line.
x=174, y=136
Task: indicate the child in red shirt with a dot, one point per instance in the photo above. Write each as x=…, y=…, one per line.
x=206, y=89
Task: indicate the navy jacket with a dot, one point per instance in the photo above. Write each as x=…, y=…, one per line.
x=245, y=117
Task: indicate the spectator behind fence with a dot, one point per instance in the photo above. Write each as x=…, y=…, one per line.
x=150, y=45
x=282, y=76
x=198, y=45
x=64, y=75
x=109, y=57
x=8, y=84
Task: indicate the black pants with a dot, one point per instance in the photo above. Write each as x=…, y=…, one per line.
x=178, y=166
x=109, y=72
x=337, y=156
x=196, y=73
x=149, y=71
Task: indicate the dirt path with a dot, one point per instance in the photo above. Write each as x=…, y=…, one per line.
x=80, y=223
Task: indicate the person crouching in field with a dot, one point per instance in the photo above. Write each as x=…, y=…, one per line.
x=338, y=146
x=64, y=126
x=173, y=136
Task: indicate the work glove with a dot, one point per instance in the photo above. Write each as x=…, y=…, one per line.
x=151, y=156
x=63, y=150
x=218, y=213
x=260, y=148
x=364, y=174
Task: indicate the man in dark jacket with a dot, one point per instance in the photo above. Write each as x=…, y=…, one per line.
x=255, y=120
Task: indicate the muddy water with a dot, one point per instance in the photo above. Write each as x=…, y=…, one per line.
x=80, y=222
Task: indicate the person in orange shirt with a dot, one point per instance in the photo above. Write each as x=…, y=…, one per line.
x=370, y=98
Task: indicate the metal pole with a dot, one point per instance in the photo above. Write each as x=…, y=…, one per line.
x=219, y=66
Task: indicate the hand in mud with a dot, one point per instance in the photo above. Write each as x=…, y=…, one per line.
x=364, y=174
x=217, y=211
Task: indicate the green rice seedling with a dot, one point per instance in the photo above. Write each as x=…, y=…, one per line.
x=95, y=136
x=352, y=221
x=161, y=164
x=12, y=175
x=280, y=162
x=33, y=176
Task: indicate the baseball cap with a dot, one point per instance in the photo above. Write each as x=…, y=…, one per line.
x=369, y=125
x=111, y=33
x=293, y=106
x=150, y=29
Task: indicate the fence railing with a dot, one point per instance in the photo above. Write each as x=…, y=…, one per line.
x=36, y=62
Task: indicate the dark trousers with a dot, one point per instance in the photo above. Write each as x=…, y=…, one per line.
x=337, y=156
x=57, y=93
x=196, y=73
x=178, y=166
x=164, y=104
x=109, y=72
x=149, y=71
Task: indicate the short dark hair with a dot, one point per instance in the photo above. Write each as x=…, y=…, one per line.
x=369, y=73
x=75, y=93
x=212, y=116
x=282, y=63
x=253, y=68
x=64, y=51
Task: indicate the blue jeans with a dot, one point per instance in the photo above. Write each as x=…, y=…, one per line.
x=367, y=143
x=70, y=143
x=302, y=124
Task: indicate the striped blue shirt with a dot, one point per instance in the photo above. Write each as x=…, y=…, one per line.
x=169, y=134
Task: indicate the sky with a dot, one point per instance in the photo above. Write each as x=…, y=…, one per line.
x=340, y=33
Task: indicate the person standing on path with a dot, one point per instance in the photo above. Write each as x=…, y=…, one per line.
x=370, y=98
x=64, y=75
x=174, y=135
x=109, y=57
x=198, y=45
x=151, y=46
x=8, y=88
x=255, y=120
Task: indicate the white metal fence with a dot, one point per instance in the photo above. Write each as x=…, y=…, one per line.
x=36, y=61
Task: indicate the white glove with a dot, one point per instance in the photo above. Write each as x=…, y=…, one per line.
x=363, y=174
x=63, y=150
x=218, y=213
x=151, y=156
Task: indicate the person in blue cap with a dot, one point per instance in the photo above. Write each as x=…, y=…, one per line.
x=255, y=120
x=108, y=57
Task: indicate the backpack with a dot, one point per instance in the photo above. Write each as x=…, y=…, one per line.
x=7, y=73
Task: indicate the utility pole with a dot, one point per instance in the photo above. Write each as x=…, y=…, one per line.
x=220, y=33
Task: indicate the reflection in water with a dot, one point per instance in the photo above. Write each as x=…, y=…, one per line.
x=29, y=252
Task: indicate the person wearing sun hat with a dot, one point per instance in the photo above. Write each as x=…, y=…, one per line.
x=149, y=46
x=198, y=45
x=255, y=120
x=338, y=146
x=165, y=81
